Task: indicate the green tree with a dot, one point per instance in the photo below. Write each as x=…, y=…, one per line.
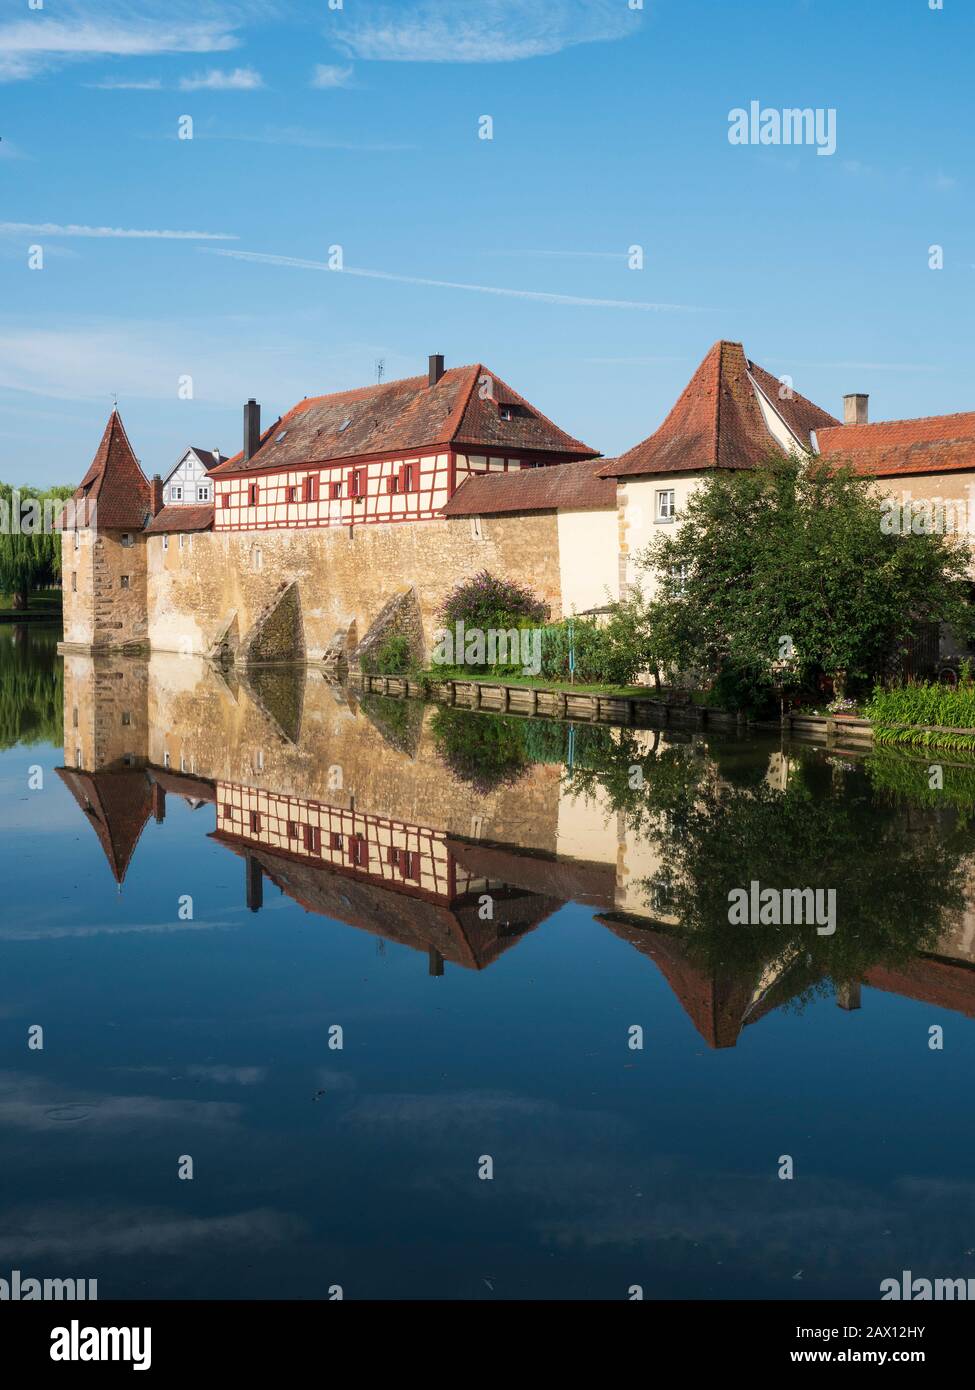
x=30, y=553
x=783, y=572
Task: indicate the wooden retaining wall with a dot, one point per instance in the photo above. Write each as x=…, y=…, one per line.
x=550, y=704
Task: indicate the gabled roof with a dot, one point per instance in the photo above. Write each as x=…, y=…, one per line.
x=117, y=802
x=463, y=410
x=571, y=487
x=206, y=456
x=890, y=448
x=115, y=484
x=718, y=422
x=185, y=517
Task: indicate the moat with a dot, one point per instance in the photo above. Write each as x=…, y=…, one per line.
x=338, y=950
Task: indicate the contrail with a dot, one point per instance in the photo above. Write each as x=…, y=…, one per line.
x=541, y=296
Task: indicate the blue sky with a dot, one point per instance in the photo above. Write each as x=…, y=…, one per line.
x=358, y=127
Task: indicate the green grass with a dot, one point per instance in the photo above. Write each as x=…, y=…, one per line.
x=455, y=673
x=44, y=601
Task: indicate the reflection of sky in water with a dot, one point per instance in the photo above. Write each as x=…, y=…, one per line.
x=358, y=1167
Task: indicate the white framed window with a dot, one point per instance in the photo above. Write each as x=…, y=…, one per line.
x=176, y=493
x=203, y=492
x=665, y=509
x=679, y=574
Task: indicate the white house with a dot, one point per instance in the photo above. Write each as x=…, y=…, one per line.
x=189, y=483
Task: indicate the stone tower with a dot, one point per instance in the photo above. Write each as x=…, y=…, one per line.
x=103, y=551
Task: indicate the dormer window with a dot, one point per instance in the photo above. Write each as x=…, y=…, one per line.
x=506, y=412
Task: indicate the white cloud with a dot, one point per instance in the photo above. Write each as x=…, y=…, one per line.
x=43, y=41
x=239, y=80
x=327, y=76
x=303, y=139
x=540, y=296
x=484, y=31
x=59, y=229
x=151, y=84
x=143, y=360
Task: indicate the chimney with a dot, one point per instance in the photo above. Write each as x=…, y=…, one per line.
x=217, y=457
x=158, y=803
x=252, y=428
x=855, y=410
x=436, y=367
x=156, y=495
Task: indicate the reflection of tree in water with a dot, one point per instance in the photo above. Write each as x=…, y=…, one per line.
x=31, y=686
x=717, y=825
x=494, y=750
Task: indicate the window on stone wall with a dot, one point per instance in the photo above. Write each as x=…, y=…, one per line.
x=123, y=581
x=165, y=542
x=477, y=533
x=127, y=540
x=74, y=582
x=126, y=717
x=77, y=540
x=257, y=558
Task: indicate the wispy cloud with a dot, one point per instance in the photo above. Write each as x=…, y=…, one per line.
x=859, y=366
x=43, y=41
x=483, y=31
x=239, y=80
x=303, y=139
x=568, y=255
x=328, y=76
x=119, y=84
x=142, y=233
x=540, y=296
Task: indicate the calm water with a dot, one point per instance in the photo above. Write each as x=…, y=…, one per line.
x=485, y=908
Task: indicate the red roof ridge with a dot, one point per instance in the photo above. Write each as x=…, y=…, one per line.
x=907, y=420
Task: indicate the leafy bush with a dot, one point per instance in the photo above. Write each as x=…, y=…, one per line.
x=488, y=602
x=392, y=657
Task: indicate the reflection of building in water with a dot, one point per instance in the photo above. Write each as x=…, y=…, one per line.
x=348, y=808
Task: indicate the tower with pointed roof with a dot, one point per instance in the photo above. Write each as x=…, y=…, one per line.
x=732, y=414
x=103, y=549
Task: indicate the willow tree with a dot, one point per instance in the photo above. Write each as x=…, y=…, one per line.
x=30, y=549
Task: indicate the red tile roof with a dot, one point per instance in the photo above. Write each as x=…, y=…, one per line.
x=188, y=518
x=115, y=484
x=717, y=421
x=570, y=487
x=932, y=444
x=462, y=410
x=117, y=802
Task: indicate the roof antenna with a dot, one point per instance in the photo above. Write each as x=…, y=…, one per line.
x=380, y=369
x=115, y=400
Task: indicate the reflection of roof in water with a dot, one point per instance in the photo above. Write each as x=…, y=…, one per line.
x=943, y=983
x=718, y=1006
x=117, y=802
x=564, y=878
x=410, y=916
